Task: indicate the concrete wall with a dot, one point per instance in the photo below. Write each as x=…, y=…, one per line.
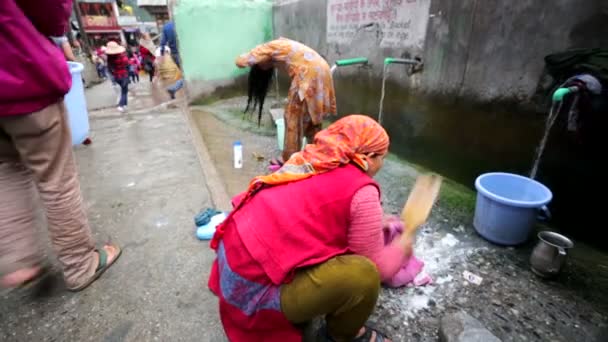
x=480, y=50
x=494, y=49
x=212, y=33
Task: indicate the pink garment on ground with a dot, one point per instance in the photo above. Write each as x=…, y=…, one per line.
x=410, y=273
x=368, y=236
x=365, y=235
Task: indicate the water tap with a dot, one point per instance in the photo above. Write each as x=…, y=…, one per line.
x=559, y=94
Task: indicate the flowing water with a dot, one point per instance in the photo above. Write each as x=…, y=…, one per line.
x=276, y=85
x=383, y=92
x=553, y=113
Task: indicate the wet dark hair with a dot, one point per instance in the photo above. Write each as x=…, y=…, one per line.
x=259, y=84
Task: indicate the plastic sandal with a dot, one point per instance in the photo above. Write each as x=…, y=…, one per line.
x=101, y=267
x=206, y=232
x=277, y=161
x=274, y=168
x=205, y=216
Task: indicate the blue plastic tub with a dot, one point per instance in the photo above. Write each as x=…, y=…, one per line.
x=76, y=104
x=507, y=207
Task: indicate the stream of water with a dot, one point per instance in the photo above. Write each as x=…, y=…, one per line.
x=383, y=92
x=276, y=85
x=553, y=113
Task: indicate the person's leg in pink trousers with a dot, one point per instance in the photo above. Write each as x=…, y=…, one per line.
x=36, y=156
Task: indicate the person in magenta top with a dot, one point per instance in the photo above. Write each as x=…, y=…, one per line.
x=36, y=157
x=282, y=262
x=118, y=65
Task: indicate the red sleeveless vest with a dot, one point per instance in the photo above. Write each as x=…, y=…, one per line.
x=279, y=230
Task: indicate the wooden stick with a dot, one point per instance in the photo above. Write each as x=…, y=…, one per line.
x=419, y=203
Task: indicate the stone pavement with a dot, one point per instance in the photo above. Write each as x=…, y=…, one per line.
x=142, y=182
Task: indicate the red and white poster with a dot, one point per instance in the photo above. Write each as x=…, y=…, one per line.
x=402, y=22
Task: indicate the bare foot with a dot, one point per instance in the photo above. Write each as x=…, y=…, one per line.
x=112, y=252
x=19, y=277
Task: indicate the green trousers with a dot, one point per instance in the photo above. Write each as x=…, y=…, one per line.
x=344, y=289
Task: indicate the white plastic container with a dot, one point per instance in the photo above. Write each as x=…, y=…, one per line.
x=76, y=104
x=237, y=148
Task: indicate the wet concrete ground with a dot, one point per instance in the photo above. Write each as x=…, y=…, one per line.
x=511, y=301
x=142, y=95
x=142, y=184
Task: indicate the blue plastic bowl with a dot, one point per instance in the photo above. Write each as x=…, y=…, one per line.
x=507, y=207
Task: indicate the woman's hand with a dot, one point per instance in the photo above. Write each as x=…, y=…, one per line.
x=407, y=242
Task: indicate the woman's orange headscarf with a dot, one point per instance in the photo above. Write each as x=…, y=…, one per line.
x=346, y=141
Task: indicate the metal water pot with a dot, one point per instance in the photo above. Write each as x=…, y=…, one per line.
x=550, y=253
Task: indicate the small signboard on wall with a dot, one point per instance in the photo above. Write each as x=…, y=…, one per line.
x=402, y=22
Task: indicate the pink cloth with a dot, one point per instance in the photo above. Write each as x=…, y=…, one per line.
x=274, y=168
x=135, y=62
x=379, y=242
x=410, y=273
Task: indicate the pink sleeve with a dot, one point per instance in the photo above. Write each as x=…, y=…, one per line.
x=365, y=236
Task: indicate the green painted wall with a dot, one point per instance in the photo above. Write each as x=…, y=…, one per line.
x=212, y=33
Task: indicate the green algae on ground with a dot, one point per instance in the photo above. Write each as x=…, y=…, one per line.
x=207, y=100
x=457, y=197
x=453, y=196
x=223, y=93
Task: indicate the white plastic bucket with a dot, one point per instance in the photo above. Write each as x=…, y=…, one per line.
x=76, y=105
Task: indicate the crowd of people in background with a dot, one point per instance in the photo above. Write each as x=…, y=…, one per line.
x=123, y=64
